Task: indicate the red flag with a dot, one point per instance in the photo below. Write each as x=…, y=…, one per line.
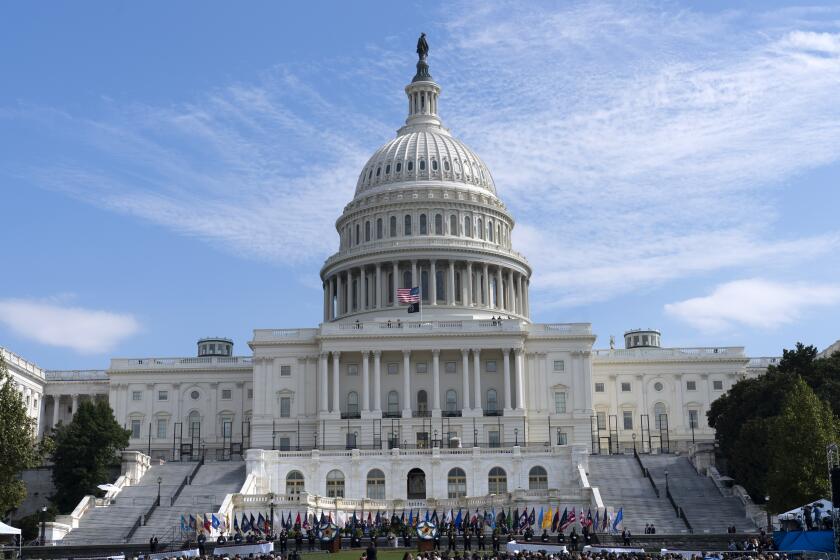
x=297, y=520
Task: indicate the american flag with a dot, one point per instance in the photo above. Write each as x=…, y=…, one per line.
x=408, y=295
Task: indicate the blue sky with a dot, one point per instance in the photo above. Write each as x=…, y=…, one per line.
x=174, y=170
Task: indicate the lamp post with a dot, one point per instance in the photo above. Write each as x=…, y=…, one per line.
x=634, y=442
x=43, y=526
x=159, y=480
x=475, y=437
x=316, y=440
x=435, y=440
x=271, y=513
x=767, y=509
x=516, y=437
x=666, y=480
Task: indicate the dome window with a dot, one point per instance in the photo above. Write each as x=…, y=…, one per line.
x=370, y=174
x=422, y=165
x=446, y=165
x=388, y=169
x=457, y=166
x=399, y=167
x=378, y=171
x=434, y=165
x=410, y=166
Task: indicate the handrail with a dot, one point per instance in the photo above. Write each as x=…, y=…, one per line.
x=134, y=528
x=646, y=472
x=187, y=480
x=678, y=509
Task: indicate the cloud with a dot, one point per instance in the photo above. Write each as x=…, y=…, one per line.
x=87, y=331
x=755, y=303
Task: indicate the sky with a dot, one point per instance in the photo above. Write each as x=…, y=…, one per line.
x=173, y=170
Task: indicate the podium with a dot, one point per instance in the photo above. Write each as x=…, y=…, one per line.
x=332, y=546
x=425, y=546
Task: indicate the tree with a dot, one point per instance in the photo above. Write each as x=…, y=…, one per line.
x=19, y=448
x=85, y=449
x=798, y=437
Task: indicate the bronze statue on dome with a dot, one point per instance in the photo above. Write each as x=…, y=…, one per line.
x=422, y=47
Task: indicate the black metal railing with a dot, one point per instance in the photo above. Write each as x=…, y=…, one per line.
x=493, y=413
x=421, y=413
x=451, y=413
x=678, y=509
x=350, y=415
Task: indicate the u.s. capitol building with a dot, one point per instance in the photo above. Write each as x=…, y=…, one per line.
x=467, y=398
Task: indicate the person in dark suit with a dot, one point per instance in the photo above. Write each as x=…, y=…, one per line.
x=370, y=552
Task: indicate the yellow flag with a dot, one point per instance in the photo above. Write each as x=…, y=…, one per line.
x=547, y=519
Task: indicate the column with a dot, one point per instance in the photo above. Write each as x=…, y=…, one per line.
x=469, y=284
x=433, y=282
x=75, y=404
x=477, y=387
x=450, y=294
x=406, y=410
x=335, y=404
x=326, y=296
x=486, y=280
x=378, y=286
x=340, y=292
x=465, y=372
x=435, y=382
x=56, y=404
x=396, y=275
x=520, y=380
x=349, y=296
x=322, y=380
x=511, y=301
x=331, y=308
x=506, y=364
x=377, y=382
x=500, y=289
x=365, y=381
x=414, y=280
x=525, y=287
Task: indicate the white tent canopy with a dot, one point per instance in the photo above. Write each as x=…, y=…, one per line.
x=798, y=513
x=8, y=530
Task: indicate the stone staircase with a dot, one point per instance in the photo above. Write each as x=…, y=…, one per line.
x=211, y=484
x=705, y=508
x=622, y=485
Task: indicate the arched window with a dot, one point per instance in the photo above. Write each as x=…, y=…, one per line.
x=378, y=171
x=492, y=401
x=410, y=166
x=335, y=484
x=422, y=165
x=376, y=485
x=498, y=234
x=660, y=416
x=458, y=291
x=358, y=230
x=393, y=402
x=422, y=401
x=423, y=228
x=440, y=285
x=489, y=230
x=352, y=403
x=453, y=225
x=407, y=279
x=537, y=478
x=467, y=226
x=294, y=483
x=497, y=481
x=392, y=226
x=434, y=165
x=367, y=231
x=446, y=165
x=438, y=224
x=407, y=224
x=194, y=424
x=379, y=228
x=388, y=169
x=451, y=400
x=456, y=483
x=399, y=166
x=479, y=227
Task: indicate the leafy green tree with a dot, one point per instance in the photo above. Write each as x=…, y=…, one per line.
x=19, y=448
x=85, y=449
x=796, y=448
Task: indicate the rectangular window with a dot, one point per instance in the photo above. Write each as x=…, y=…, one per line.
x=422, y=440
x=352, y=369
x=625, y=387
x=227, y=427
x=602, y=420
x=559, y=402
x=490, y=366
x=561, y=438
x=494, y=438
x=628, y=419
x=135, y=429
x=161, y=428
x=691, y=385
x=226, y=394
x=285, y=371
x=599, y=387
x=717, y=385
x=422, y=367
x=451, y=367
x=559, y=365
x=693, y=417
x=163, y=395
x=250, y=393
x=393, y=368
x=285, y=407
x=136, y=395
x=283, y=443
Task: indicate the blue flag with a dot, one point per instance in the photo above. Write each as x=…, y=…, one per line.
x=618, y=517
x=184, y=526
x=459, y=519
x=235, y=524
x=253, y=524
x=215, y=521
x=597, y=519
x=410, y=517
x=540, y=518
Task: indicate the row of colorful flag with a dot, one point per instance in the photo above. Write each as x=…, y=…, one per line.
x=550, y=520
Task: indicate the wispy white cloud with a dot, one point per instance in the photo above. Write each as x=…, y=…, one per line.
x=87, y=331
x=755, y=303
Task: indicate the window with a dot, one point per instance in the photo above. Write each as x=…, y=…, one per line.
x=350, y=440
x=660, y=418
x=658, y=386
x=434, y=165
x=717, y=385
x=492, y=400
x=438, y=224
x=422, y=401
x=628, y=419
x=352, y=403
x=423, y=226
x=399, y=166
x=194, y=424
x=489, y=230
x=446, y=165
x=226, y=394
x=285, y=371
x=599, y=387
x=479, y=228
x=625, y=387
x=602, y=420
x=691, y=385
x=456, y=483
x=388, y=169
x=494, y=438
x=284, y=443
x=358, y=229
x=537, y=478
x=409, y=166
x=392, y=226
x=163, y=395
x=379, y=228
x=227, y=426
x=194, y=395
x=560, y=402
x=497, y=481
x=250, y=393
x=367, y=231
x=490, y=366
x=693, y=421
x=135, y=429
x=335, y=484
x=161, y=428
x=294, y=483
x=285, y=407
x=453, y=225
x=421, y=367
x=352, y=369
x=559, y=365
x=561, y=438
x=423, y=161
x=136, y=395
x=467, y=226
x=407, y=228
x=451, y=400
x=376, y=485
x=450, y=367
x=393, y=402
x=393, y=368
